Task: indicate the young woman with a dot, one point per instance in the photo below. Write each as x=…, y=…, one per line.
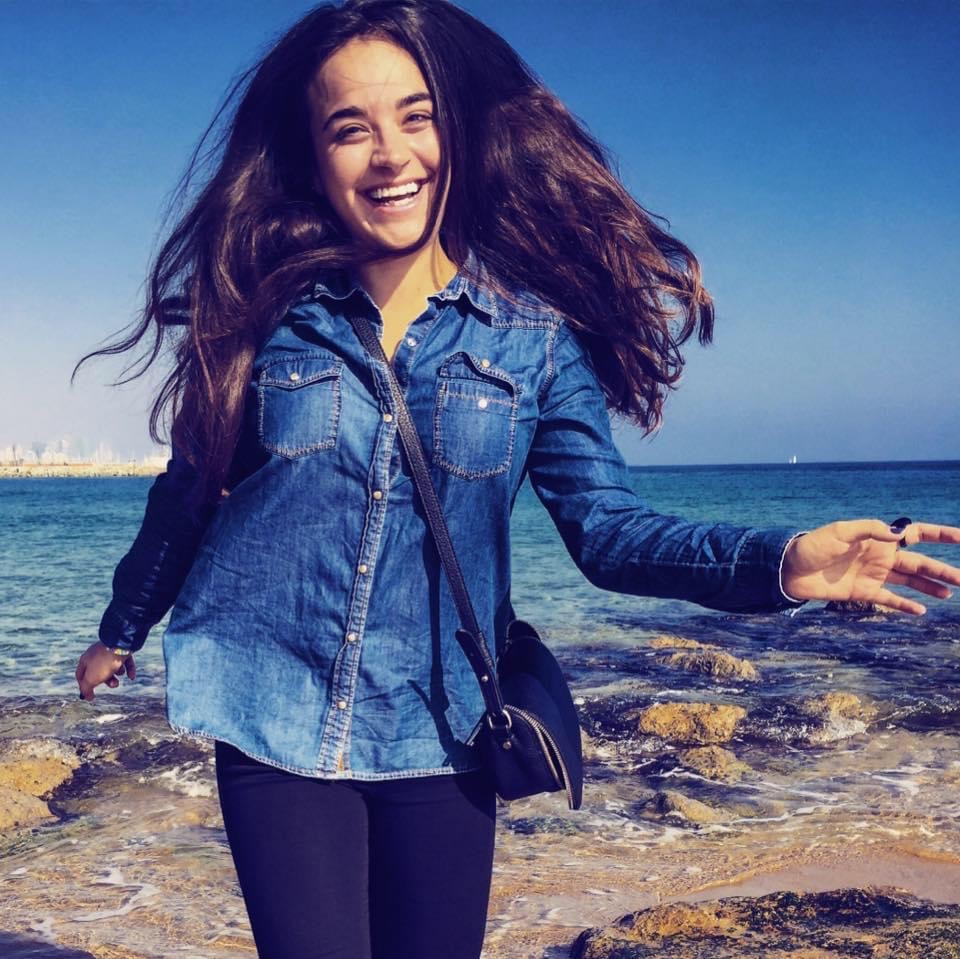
x=395, y=159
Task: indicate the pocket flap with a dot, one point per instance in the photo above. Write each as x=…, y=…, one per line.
x=468, y=366
x=292, y=372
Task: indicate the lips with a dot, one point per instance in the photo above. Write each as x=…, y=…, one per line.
x=394, y=194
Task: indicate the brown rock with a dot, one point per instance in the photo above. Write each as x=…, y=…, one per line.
x=676, y=642
x=37, y=777
x=19, y=810
x=841, y=924
x=669, y=803
x=714, y=762
x=36, y=766
x=839, y=705
x=702, y=723
x=856, y=606
x=712, y=662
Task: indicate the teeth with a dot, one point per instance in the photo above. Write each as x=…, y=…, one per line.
x=408, y=189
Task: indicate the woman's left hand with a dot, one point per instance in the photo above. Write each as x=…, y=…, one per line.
x=859, y=559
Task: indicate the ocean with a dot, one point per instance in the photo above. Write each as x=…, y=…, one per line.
x=62, y=539
x=849, y=732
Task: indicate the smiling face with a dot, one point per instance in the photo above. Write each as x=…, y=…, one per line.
x=375, y=141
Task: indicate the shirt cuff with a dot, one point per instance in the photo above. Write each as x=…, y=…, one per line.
x=758, y=572
x=118, y=632
x=783, y=556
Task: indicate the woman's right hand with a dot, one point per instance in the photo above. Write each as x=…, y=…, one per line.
x=98, y=665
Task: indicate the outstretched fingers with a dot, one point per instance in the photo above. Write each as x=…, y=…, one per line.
x=920, y=584
x=931, y=533
x=888, y=598
x=916, y=564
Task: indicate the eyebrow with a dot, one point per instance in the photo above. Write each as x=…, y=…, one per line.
x=402, y=103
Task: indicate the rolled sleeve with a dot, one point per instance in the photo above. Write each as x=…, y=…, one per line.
x=619, y=542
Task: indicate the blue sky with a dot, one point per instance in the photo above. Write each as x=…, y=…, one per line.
x=806, y=151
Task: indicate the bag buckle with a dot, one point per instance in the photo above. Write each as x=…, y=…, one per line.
x=500, y=727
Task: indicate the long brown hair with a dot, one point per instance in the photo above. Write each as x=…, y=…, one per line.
x=531, y=192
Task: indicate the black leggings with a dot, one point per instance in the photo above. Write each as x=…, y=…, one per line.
x=359, y=870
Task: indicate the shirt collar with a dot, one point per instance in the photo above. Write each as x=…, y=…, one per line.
x=471, y=280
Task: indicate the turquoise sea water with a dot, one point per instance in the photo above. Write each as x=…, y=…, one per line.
x=62, y=539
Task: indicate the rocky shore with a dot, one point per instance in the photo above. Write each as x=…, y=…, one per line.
x=726, y=817
x=841, y=924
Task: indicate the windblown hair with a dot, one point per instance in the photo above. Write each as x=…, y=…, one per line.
x=531, y=192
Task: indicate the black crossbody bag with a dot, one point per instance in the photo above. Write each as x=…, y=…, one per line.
x=529, y=735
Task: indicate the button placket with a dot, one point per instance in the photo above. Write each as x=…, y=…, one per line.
x=335, y=739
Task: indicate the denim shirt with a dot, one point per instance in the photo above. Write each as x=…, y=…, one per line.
x=312, y=626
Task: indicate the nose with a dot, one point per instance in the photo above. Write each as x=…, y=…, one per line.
x=390, y=150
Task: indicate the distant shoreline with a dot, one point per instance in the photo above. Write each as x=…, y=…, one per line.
x=71, y=470
x=61, y=470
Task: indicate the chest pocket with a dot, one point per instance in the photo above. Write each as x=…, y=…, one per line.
x=475, y=417
x=298, y=399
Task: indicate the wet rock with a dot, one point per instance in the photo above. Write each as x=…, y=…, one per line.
x=532, y=825
x=142, y=754
x=819, y=721
x=838, y=716
x=714, y=762
x=841, y=924
x=18, y=810
x=36, y=766
x=711, y=662
x=839, y=705
x=676, y=642
x=756, y=809
x=702, y=723
x=856, y=606
x=674, y=804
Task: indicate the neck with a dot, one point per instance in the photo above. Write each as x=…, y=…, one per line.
x=405, y=278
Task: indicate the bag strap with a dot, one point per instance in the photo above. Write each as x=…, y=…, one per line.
x=470, y=636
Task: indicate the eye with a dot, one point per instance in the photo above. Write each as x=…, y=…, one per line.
x=419, y=117
x=348, y=131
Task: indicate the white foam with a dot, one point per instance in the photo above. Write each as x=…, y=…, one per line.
x=108, y=718
x=836, y=729
x=178, y=780
x=909, y=786
x=145, y=893
x=670, y=835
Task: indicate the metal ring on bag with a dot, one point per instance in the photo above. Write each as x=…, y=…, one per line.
x=494, y=726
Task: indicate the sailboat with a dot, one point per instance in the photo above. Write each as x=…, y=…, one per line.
x=793, y=459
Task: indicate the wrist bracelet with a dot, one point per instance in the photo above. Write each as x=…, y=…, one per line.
x=117, y=651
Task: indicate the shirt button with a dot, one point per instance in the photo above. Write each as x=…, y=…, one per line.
x=411, y=341
x=294, y=376
x=378, y=494
x=484, y=362
x=362, y=567
x=341, y=704
x=388, y=417
x=351, y=637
